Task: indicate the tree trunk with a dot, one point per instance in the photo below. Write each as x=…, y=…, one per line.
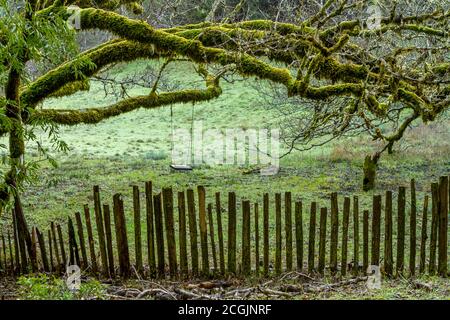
x=16, y=153
x=370, y=171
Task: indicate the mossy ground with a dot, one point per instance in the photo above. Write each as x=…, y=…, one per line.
x=135, y=148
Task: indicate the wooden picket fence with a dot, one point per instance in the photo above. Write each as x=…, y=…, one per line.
x=194, y=244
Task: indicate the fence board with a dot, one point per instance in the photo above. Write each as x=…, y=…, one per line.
x=203, y=229
x=150, y=228
x=299, y=234
x=87, y=217
x=246, y=266
x=322, y=239
x=334, y=232
x=121, y=236
x=266, y=233
x=137, y=229
x=345, y=222
x=74, y=254
x=85, y=261
x=55, y=247
x=100, y=230
x=193, y=231
x=278, y=233
x=288, y=229
x=312, y=237
x=170, y=231
x=388, y=252
x=50, y=249
x=443, y=225
x=434, y=226
x=211, y=237
x=61, y=246
x=423, y=238
x=355, y=235
x=109, y=239
x=257, y=260
x=43, y=250
x=182, y=234
x=220, y=233
x=376, y=230
x=365, y=240
x=159, y=233
x=231, y=232
x=401, y=230
x=412, y=230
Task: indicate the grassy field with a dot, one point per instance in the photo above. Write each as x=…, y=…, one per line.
x=135, y=148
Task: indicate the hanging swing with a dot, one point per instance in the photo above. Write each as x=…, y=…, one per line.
x=175, y=166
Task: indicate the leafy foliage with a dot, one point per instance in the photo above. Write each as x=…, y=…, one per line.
x=43, y=287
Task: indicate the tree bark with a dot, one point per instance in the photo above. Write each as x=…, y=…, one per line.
x=370, y=171
x=16, y=154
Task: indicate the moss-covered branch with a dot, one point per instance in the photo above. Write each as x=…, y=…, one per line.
x=84, y=66
x=96, y=115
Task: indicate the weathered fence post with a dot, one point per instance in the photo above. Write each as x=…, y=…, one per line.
x=278, y=233
x=312, y=237
x=87, y=217
x=434, y=226
x=322, y=240
x=203, y=229
x=121, y=236
x=170, y=231
x=74, y=254
x=182, y=234
x=55, y=247
x=443, y=225
x=388, y=252
x=423, y=242
x=159, y=233
x=193, y=231
x=80, y=232
x=211, y=237
x=231, y=232
x=376, y=230
x=109, y=241
x=150, y=229
x=299, y=234
x=246, y=266
x=355, y=235
x=365, y=240
x=334, y=232
x=288, y=229
x=257, y=239
x=266, y=233
x=50, y=248
x=412, y=230
x=220, y=233
x=61, y=246
x=137, y=229
x=42, y=248
x=100, y=230
x=401, y=230
x=345, y=222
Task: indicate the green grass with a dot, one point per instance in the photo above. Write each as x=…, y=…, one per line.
x=135, y=148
